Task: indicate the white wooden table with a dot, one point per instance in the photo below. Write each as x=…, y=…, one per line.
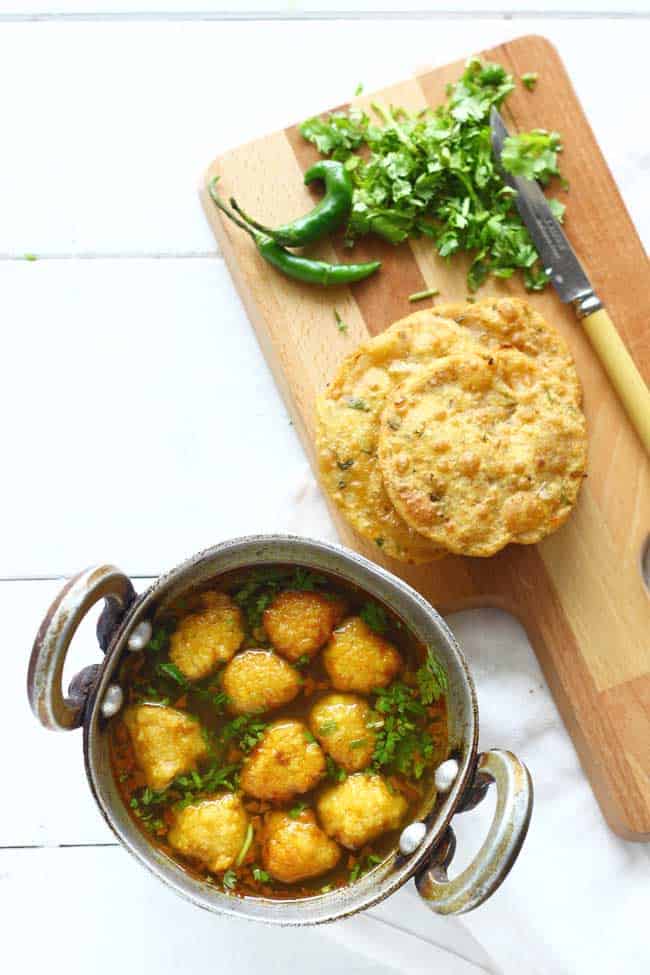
x=140, y=420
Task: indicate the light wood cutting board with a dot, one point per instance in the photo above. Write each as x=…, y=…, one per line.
x=580, y=593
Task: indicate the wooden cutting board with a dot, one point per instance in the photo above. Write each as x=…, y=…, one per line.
x=580, y=593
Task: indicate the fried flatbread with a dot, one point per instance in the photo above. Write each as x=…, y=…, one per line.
x=483, y=449
x=348, y=414
x=513, y=323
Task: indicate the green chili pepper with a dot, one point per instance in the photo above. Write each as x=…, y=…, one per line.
x=326, y=216
x=300, y=268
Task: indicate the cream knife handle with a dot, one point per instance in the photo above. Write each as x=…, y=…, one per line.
x=619, y=366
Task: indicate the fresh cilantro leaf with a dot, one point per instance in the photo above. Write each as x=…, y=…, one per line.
x=529, y=80
x=334, y=773
x=432, y=679
x=327, y=728
x=532, y=155
x=340, y=324
x=171, y=670
x=230, y=879
x=402, y=744
x=158, y=641
x=358, y=742
x=432, y=174
x=261, y=876
x=357, y=404
x=296, y=810
x=374, y=616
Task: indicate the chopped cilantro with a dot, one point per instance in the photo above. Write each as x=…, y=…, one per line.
x=362, y=867
x=432, y=679
x=309, y=738
x=421, y=295
x=296, y=810
x=172, y=671
x=374, y=616
x=244, y=731
x=333, y=771
x=401, y=743
x=340, y=324
x=261, y=876
x=532, y=155
x=357, y=404
x=358, y=742
x=230, y=879
x=432, y=174
x=355, y=873
x=158, y=641
x=529, y=80
x=246, y=845
x=302, y=661
x=327, y=728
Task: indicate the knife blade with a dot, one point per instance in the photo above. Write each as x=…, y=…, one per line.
x=556, y=254
x=572, y=285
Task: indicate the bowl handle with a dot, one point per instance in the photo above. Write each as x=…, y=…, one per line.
x=51, y=707
x=494, y=860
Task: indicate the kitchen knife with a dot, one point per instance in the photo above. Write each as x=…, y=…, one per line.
x=572, y=285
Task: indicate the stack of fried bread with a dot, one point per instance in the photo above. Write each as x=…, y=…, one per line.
x=457, y=430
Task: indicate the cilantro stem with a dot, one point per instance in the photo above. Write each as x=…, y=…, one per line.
x=246, y=845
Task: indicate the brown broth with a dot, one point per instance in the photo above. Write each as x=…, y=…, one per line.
x=141, y=682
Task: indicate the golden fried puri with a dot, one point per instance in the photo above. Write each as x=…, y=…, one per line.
x=360, y=809
x=348, y=414
x=297, y=848
x=207, y=638
x=299, y=623
x=259, y=680
x=211, y=831
x=502, y=323
x=286, y=762
x=166, y=742
x=357, y=659
x=340, y=722
x=483, y=450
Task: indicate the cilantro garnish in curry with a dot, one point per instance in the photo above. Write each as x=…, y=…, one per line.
x=280, y=730
x=433, y=174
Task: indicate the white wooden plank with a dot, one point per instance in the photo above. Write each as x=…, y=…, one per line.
x=318, y=8
x=111, y=124
x=98, y=907
x=146, y=424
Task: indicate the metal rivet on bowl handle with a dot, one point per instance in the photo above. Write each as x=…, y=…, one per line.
x=411, y=838
x=446, y=775
x=113, y=700
x=140, y=636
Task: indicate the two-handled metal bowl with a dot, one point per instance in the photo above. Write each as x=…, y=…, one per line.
x=426, y=846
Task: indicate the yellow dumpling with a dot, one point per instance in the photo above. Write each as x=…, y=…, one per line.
x=296, y=848
x=166, y=742
x=211, y=831
x=357, y=659
x=207, y=638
